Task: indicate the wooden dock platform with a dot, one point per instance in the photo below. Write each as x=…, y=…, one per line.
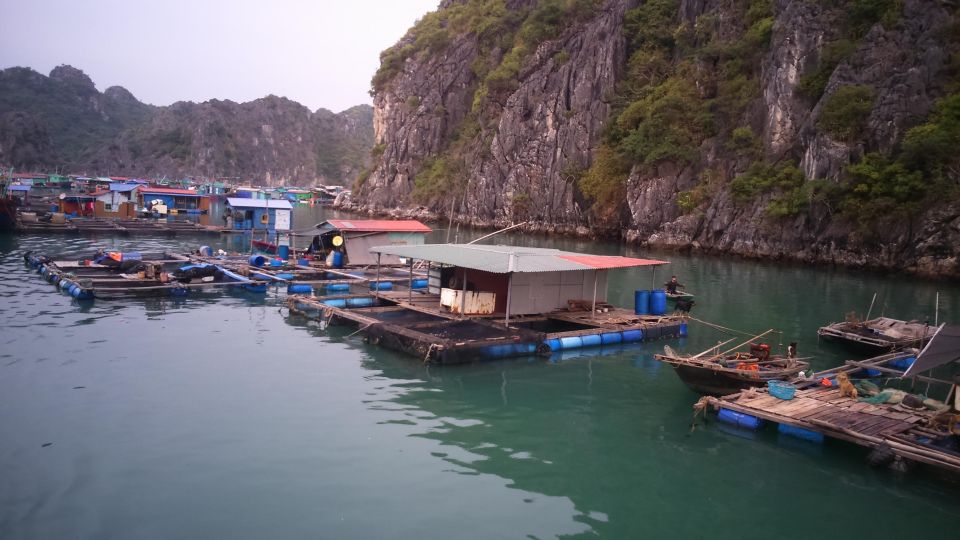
x=907, y=433
x=414, y=322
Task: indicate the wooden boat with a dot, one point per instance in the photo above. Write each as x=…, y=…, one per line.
x=721, y=374
x=878, y=335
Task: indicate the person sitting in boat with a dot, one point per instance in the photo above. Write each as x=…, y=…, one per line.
x=672, y=285
x=792, y=350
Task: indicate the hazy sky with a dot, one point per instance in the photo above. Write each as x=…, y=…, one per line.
x=321, y=53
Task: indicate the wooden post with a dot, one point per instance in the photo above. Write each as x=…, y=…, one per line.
x=377, y=289
x=410, y=292
x=506, y=317
x=653, y=278
x=593, y=306
x=463, y=296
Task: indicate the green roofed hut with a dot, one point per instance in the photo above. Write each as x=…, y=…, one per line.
x=486, y=302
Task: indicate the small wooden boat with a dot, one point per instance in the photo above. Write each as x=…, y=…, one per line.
x=878, y=335
x=679, y=295
x=725, y=373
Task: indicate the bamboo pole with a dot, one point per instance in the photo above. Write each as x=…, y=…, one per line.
x=746, y=342
x=869, y=311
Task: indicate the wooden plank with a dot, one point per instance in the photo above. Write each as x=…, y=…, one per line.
x=867, y=421
x=809, y=405
x=883, y=426
x=803, y=415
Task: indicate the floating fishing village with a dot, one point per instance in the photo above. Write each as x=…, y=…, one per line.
x=460, y=303
x=480, y=269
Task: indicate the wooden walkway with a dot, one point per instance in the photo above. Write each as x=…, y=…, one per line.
x=823, y=410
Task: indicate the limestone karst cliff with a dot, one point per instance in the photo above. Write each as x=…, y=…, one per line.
x=818, y=130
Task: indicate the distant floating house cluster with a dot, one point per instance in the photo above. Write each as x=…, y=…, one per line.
x=125, y=197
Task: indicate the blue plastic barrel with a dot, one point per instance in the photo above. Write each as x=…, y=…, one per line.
x=257, y=260
x=283, y=252
x=303, y=262
x=497, y=351
x=524, y=348
x=299, y=288
x=800, y=433
x=337, y=259
x=206, y=251
x=611, y=338
x=573, y=342
x=592, y=340
x=554, y=345
x=632, y=336
x=285, y=276
x=641, y=302
x=336, y=302
x=903, y=363
x=179, y=291
x=658, y=302
x=738, y=419
x=381, y=286
x=363, y=301
x=255, y=287
x=683, y=329
x=276, y=263
x=420, y=283
x=337, y=287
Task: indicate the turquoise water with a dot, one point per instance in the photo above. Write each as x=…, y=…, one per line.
x=220, y=416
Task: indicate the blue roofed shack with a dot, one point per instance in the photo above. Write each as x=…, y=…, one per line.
x=259, y=215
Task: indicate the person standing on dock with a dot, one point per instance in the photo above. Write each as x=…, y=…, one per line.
x=672, y=285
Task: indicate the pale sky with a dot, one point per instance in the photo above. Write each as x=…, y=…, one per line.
x=321, y=53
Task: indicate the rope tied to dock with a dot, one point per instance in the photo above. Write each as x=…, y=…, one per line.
x=700, y=407
x=431, y=351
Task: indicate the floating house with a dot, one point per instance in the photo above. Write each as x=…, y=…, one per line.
x=186, y=200
x=357, y=236
x=259, y=215
x=19, y=191
x=486, y=302
x=247, y=192
x=118, y=201
x=78, y=204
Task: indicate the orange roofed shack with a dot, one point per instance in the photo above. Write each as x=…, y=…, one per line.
x=513, y=280
x=357, y=236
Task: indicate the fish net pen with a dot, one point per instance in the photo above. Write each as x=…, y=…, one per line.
x=403, y=317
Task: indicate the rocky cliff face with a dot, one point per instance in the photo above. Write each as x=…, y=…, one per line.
x=796, y=95
x=63, y=121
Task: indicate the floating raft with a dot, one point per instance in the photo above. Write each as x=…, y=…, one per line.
x=116, y=226
x=817, y=411
x=412, y=322
x=87, y=279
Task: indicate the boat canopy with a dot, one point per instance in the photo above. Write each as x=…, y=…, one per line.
x=511, y=259
x=942, y=349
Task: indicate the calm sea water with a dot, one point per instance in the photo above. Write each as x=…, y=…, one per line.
x=220, y=416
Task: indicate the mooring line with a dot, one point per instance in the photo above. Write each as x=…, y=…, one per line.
x=724, y=328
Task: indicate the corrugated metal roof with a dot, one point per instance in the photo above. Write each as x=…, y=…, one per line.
x=19, y=187
x=121, y=187
x=375, y=225
x=505, y=259
x=240, y=202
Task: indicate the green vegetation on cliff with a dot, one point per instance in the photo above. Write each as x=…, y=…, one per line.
x=683, y=84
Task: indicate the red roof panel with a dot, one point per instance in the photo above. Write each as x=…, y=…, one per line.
x=601, y=262
x=379, y=225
